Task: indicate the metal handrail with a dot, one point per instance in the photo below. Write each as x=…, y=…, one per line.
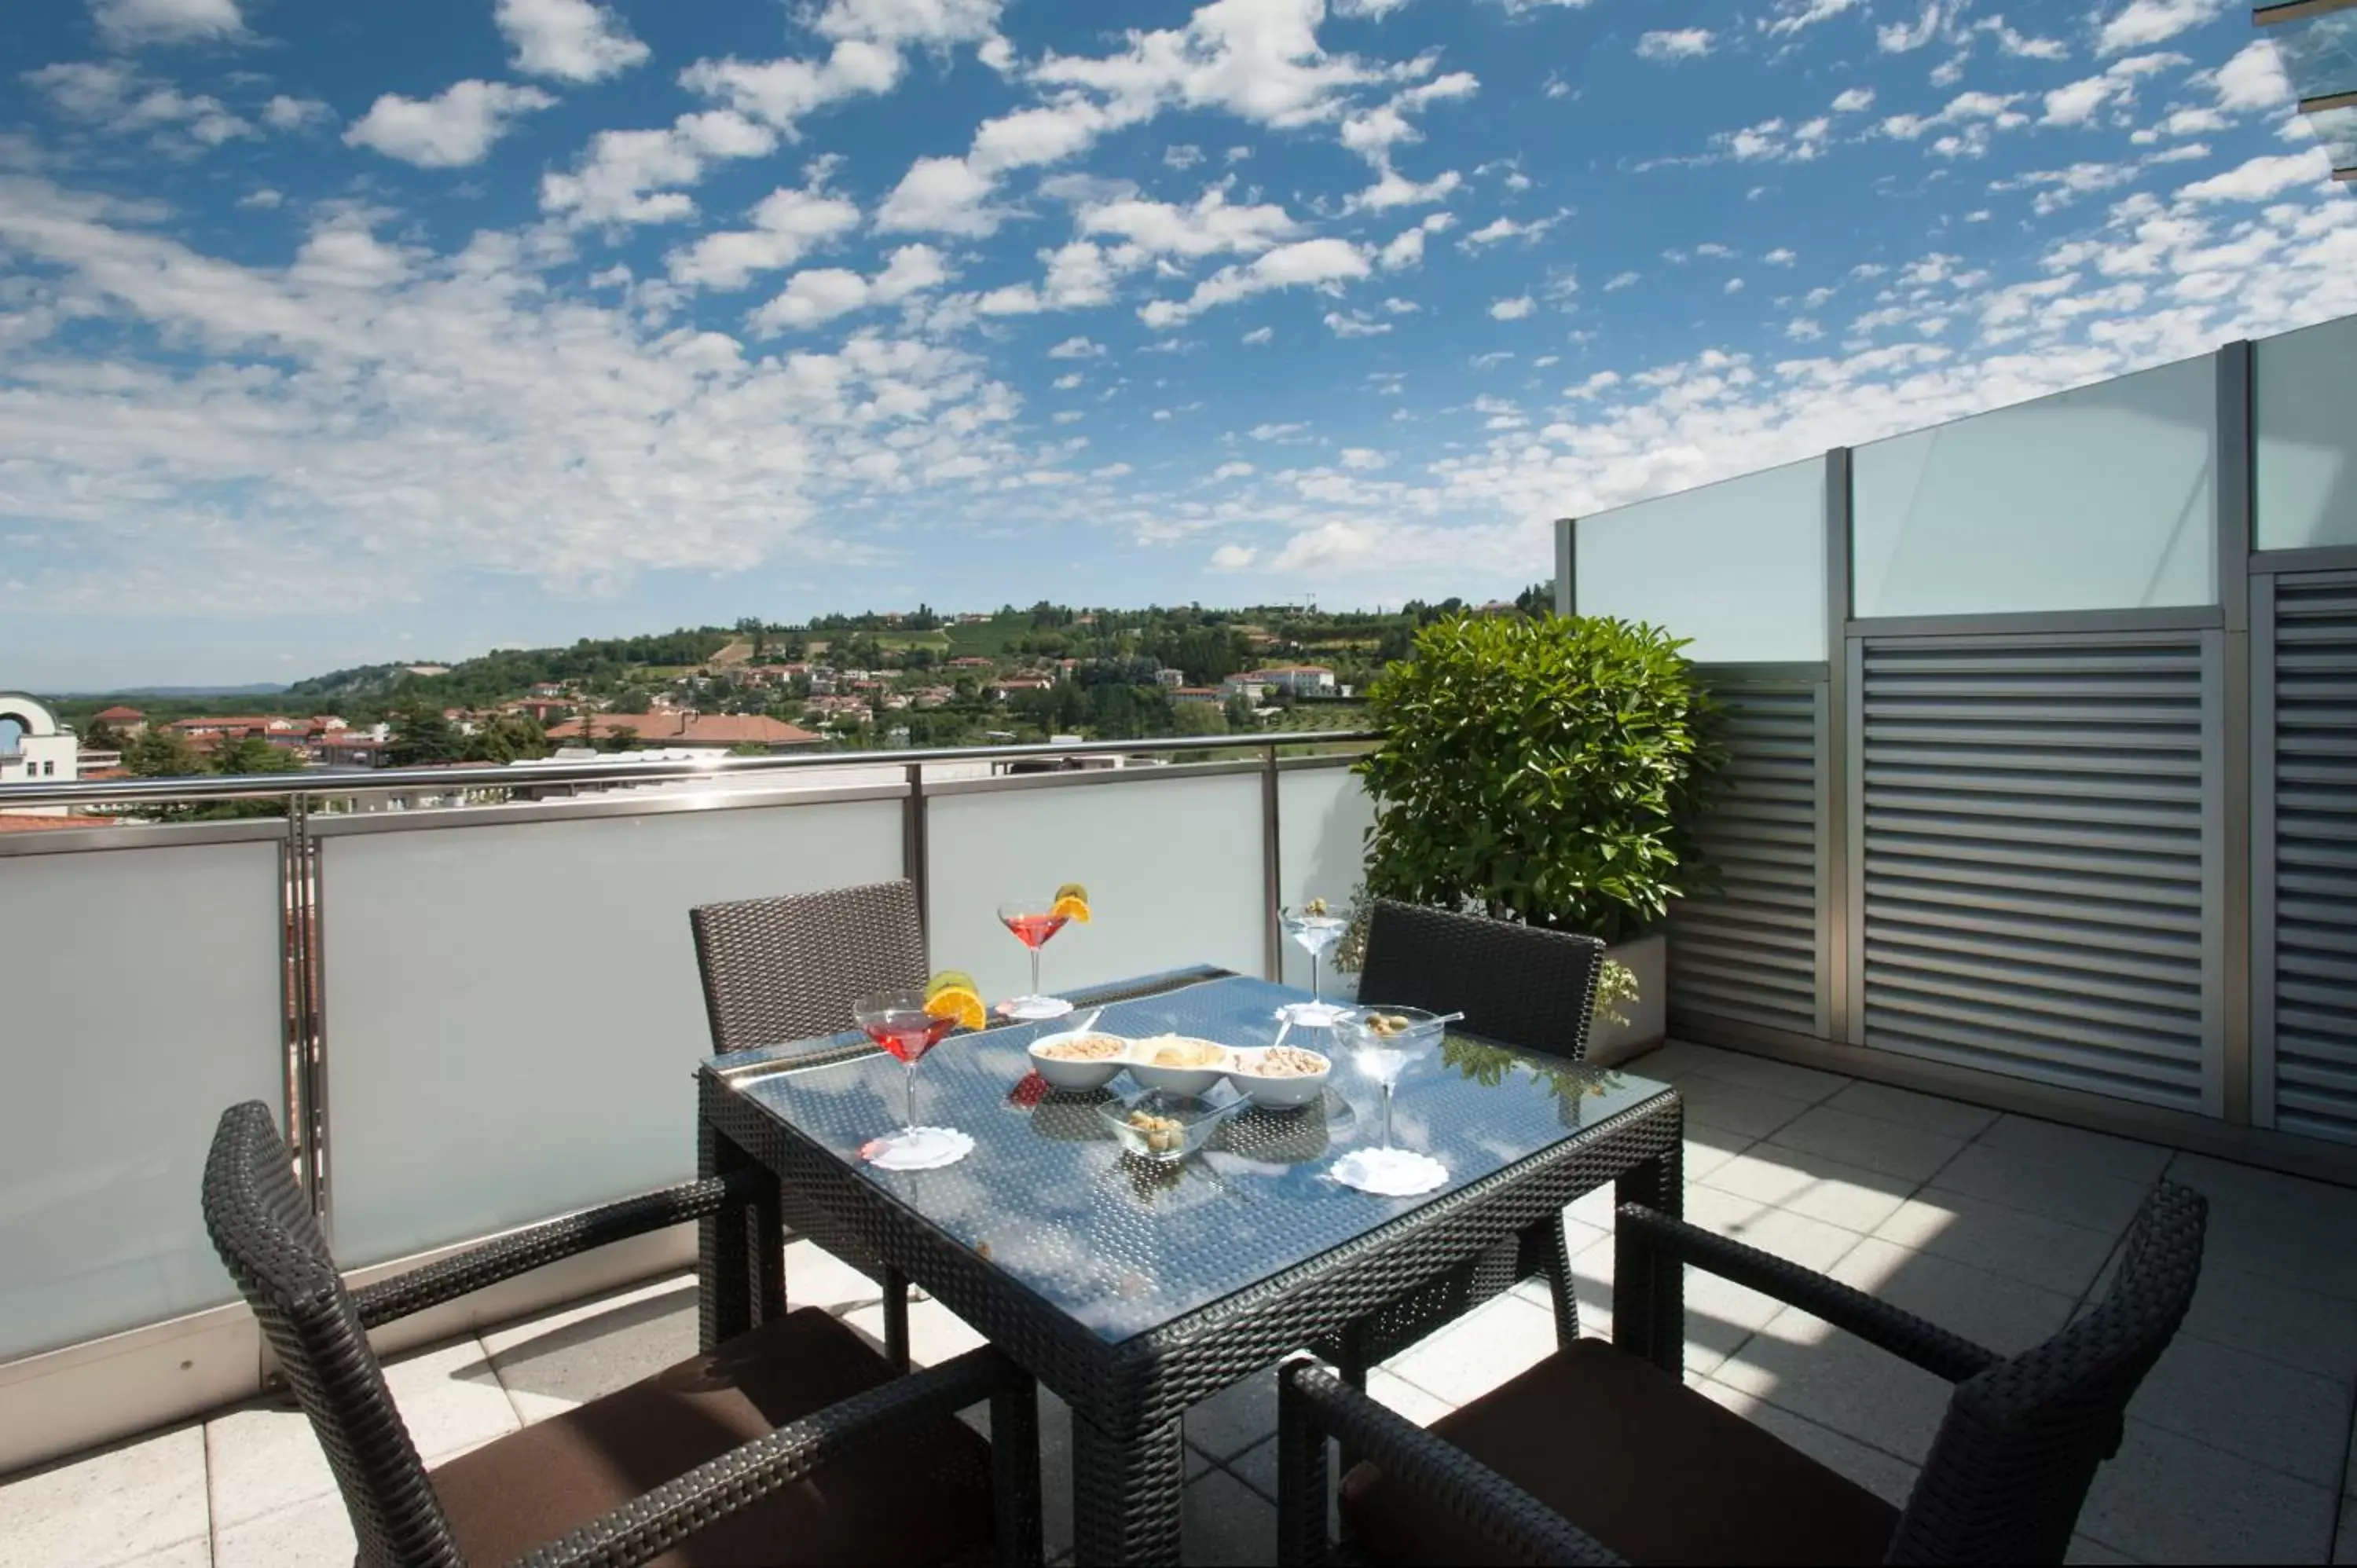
x=501, y=776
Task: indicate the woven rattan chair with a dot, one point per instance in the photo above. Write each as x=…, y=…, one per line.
x=781, y=970
x=1517, y=985
x=795, y=1444
x=1601, y=1454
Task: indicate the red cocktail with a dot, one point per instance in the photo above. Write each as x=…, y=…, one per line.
x=900, y=1022
x=1034, y=921
x=1033, y=930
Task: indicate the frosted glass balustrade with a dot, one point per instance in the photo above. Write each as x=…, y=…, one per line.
x=1172, y=862
x=1736, y=567
x=2094, y=500
x=139, y=996
x=1323, y=815
x=513, y=1016
x=2304, y=409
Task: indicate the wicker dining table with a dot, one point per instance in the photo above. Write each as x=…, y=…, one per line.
x=1134, y=1291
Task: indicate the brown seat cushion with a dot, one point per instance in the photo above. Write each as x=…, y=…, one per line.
x=919, y=1497
x=1643, y=1463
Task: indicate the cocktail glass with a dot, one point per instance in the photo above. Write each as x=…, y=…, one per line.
x=1034, y=921
x=1317, y=935
x=898, y=1021
x=1383, y=1053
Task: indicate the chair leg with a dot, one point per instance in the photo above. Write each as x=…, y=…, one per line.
x=1015, y=1469
x=1355, y=1348
x=1303, y=1481
x=896, y=1318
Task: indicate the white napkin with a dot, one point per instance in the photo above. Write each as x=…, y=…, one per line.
x=932, y=1148
x=1390, y=1173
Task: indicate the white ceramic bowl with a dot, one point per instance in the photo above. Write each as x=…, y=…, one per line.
x=1194, y=1080
x=1066, y=1074
x=1277, y=1093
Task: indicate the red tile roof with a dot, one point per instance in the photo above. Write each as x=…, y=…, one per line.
x=120, y=714
x=704, y=729
x=21, y=823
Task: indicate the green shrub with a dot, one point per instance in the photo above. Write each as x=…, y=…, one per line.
x=1545, y=770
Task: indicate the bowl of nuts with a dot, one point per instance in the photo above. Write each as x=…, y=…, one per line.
x=1077, y=1061
x=1163, y=1126
x=1177, y=1064
x=1277, y=1078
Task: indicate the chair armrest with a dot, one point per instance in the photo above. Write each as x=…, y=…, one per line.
x=526, y=1250
x=1314, y=1404
x=1903, y=1334
x=649, y=1526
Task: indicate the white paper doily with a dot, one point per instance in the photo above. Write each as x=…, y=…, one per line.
x=1390, y=1173
x=1027, y=1009
x=930, y=1149
x=1312, y=1014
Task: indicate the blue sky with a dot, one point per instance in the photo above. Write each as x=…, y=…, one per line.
x=337, y=333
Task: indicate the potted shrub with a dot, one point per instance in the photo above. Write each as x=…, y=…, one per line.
x=1548, y=769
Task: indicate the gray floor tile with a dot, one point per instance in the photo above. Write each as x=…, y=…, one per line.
x=1680, y=1059
x=108, y=1507
x=1388, y=1388
x=1928, y=1112
x=2283, y=1322
x=2344, y=1547
x=1223, y=1521
x=2167, y=1498
x=316, y=1534
x=2281, y=1417
x=1478, y=1352
x=1736, y=1108
x=1817, y=1186
x=1708, y=1148
x=2036, y=1248
x=2098, y=1202
x=1055, y=1474
x=2279, y=1226
x=1800, y=1364
x=261, y=1458
x=197, y=1553
x=1256, y=1469
x=1887, y=1147
x=2094, y=1153
x=567, y=1358
x=1236, y=1417
x=1720, y=1314
x=2007, y=1315
x=2083, y=1551
x=1886, y=1478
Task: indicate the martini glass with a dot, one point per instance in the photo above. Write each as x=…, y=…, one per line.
x=1034, y=921
x=897, y=1020
x=1385, y=1055
x=1317, y=935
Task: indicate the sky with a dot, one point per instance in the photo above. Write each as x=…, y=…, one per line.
x=399, y=329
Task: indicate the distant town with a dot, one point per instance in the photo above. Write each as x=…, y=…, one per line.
x=880, y=680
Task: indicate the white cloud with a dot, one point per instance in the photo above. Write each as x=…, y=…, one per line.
x=626, y=176
x=1898, y=38
x=1364, y=458
x=1792, y=15
x=1233, y=557
x=1620, y=281
x=2142, y=22
x=2262, y=178
x=1852, y=100
x=123, y=23
x=284, y=113
x=573, y=40
x=1269, y=431
x=1210, y=225
x=1780, y=257
x=1513, y=309
x=1406, y=249
x=1076, y=349
x=1259, y=334
x=1355, y=323
x=2076, y=104
x=1234, y=471
x=787, y=225
x=2254, y=78
x=1500, y=230
x=451, y=130
x=116, y=96
x=1675, y=44
x=940, y=196
x=812, y=298
x=1305, y=263
x=1181, y=156
x=1068, y=380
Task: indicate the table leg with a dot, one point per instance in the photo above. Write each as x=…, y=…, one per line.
x=1545, y=1249
x=1648, y=1315
x=740, y=1264
x=1126, y=1494
x=895, y=1285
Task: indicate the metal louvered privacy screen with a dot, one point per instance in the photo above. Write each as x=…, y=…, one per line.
x=2304, y=963
x=1751, y=951
x=2038, y=848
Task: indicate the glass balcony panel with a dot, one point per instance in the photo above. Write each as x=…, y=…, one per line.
x=1323, y=815
x=142, y=996
x=2320, y=54
x=1172, y=862
x=513, y=1011
x=1736, y=567
x=2337, y=129
x=2093, y=499
x=2304, y=390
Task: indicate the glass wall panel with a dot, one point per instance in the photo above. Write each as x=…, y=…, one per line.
x=140, y=996
x=2304, y=397
x=1323, y=815
x=1739, y=568
x=512, y=1012
x=1172, y=862
x=2093, y=499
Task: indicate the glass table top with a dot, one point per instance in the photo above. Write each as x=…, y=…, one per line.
x=1123, y=1246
